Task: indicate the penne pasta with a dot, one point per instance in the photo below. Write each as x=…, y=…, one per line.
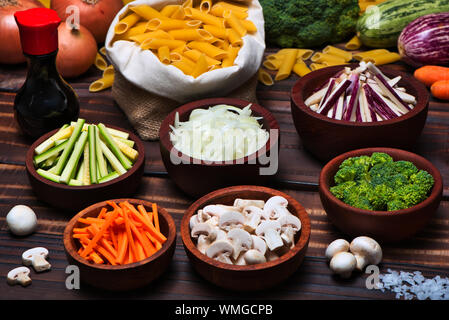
x=194, y=55
x=219, y=11
x=231, y=6
x=126, y=23
x=360, y=55
x=169, y=10
x=102, y=51
x=109, y=71
x=235, y=23
x=264, y=77
x=175, y=56
x=332, y=63
x=159, y=34
x=208, y=49
x=320, y=57
x=100, y=62
x=234, y=38
x=204, y=17
x=187, y=4
x=249, y=26
x=191, y=34
x=180, y=49
x=156, y=43
x=102, y=83
x=164, y=54
x=229, y=60
x=184, y=67
x=216, y=31
x=171, y=24
x=272, y=64
x=353, y=44
x=205, y=6
x=383, y=58
x=201, y=66
x=345, y=55
x=316, y=66
x=300, y=68
x=147, y=12
x=286, y=66
x=178, y=14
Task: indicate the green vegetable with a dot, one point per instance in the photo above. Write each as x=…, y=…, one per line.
x=70, y=144
x=114, y=148
x=50, y=153
x=381, y=25
x=55, y=178
x=92, y=154
x=109, y=177
x=115, y=163
x=69, y=169
x=381, y=184
x=101, y=162
x=50, y=142
x=309, y=23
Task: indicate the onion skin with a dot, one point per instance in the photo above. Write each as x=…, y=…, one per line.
x=425, y=41
x=11, y=50
x=77, y=51
x=96, y=17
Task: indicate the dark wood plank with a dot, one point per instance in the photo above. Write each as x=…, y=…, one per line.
x=428, y=251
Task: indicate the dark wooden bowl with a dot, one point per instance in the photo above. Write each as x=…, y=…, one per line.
x=386, y=226
x=254, y=277
x=128, y=276
x=74, y=198
x=196, y=177
x=326, y=138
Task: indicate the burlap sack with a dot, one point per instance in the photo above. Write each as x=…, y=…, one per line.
x=146, y=111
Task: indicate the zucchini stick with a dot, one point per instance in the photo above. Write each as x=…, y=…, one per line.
x=92, y=155
x=69, y=169
x=101, y=162
x=50, y=153
x=86, y=170
x=125, y=141
x=50, y=142
x=70, y=144
x=55, y=178
x=112, y=132
x=109, y=177
x=114, y=148
x=79, y=175
x=115, y=163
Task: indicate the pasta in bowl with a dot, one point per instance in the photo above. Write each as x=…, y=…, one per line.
x=187, y=49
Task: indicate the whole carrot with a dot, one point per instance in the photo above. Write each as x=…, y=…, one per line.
x=440, y=89
x=431, y=74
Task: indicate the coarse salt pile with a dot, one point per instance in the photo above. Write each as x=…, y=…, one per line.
x=414, y=285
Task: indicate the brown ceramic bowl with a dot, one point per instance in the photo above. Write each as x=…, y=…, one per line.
x=386, y=226
x=196, y=177
x=128, y=276
x=254, y=277
x=75, y=198
x=326, y=138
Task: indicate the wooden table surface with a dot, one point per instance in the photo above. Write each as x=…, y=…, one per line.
x=298, y=174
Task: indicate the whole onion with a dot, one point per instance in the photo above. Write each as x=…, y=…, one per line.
x=77, y=50
x=425, y=41
x=95, y=15
x=11, y=49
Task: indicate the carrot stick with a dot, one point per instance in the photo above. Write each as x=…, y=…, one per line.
x=81, y=235
x=128, y=232
x=123, y=243
x=103, y=229
x=145, y=213
x=80, y=230
x=102, y=213
x=96, y=258
x=107, y=246
x=105, y=253
x=159, y=236
x=114, y=238
x=156, y=217
x=140, y=252
x=147, y=246
x=157, y=244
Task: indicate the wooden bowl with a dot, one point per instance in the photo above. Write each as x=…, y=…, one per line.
x=326, y=138
x=386, y=226
x=128, y=276
x=74, y=198
x=196, y=177
x=254, y=277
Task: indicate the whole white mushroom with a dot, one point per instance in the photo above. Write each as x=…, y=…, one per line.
x=21, y=220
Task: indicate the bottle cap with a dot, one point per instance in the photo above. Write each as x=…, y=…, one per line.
x=38, y=29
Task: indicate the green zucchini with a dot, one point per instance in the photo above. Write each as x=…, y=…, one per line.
x=381, y=25
x=115, y=163
x=101, y=162
x=127, y=164
x=70, y=167
x=55, y=178
x=50, y=153
x=109, y=177
x=92, y=154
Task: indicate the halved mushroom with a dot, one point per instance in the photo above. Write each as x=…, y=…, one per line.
x=36, y=257
x=259, y=244
x=254, y=257
x=290, y=224
x=241, y=241
x=220, y=250
x=253, y=215
x=269, y=230
x=230, y=220
x=275, y=207
x=20, y=275
x=242, y=203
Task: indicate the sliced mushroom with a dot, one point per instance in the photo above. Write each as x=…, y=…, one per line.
x=336, y=246
x=193, y=221
x=203, y=216
x=20, y=275
x=36, y=257
x=269, y=230
x=220, y=250
x=254, y=257
x=259, y=244
x=230, y=220
x=215, y=210
x=253, y=215
x=202, y=228
x=240, y=261
x=203, y=243
x=221, y=234
x=274, y=206
x=242, y=203
x=213, y=221
x=290, y=224
x=366, y=251
x=241, y=241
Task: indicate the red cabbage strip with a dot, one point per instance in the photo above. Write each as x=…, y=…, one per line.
x=334, y=96
x=354, y=97
x=378, y=103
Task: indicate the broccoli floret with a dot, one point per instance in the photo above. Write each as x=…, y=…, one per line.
x=405, y=167
x=380, y=196
x=380, y=157
x=354, y=199
x=410, y=195
x=309, y=23
x=350, y=173
x=396, y=204
x=338, y=190
x=423, y=179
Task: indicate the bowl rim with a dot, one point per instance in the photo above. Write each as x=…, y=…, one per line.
x=29, y=163
x=300, y=245
x=161, y=212
x=403, y=155
x=257, y=109
x=422, y=97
